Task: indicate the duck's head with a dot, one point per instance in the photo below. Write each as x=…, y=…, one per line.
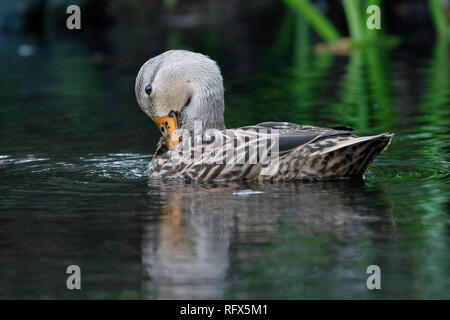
x=179, y=88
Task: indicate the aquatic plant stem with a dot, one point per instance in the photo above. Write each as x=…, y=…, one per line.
x=438, y=17
x=354, y=21
x=317, y=20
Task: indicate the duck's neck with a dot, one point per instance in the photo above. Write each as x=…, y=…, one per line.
x=205, y=110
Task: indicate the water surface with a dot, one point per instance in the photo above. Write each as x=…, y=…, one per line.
x=73, y=189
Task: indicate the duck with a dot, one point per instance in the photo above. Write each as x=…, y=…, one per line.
x=183, y=93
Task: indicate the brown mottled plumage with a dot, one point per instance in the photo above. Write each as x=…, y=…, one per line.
x=302, y=152
x=311, y=154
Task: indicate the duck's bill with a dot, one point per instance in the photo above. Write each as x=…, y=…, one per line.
x=168, y=126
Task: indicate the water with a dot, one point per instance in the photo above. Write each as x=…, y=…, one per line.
x=73, y=190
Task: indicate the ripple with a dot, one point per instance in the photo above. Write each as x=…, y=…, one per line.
x=6, y=159
x=407, y=170
x=111, y=165
x=126, y=165
x=60, y=184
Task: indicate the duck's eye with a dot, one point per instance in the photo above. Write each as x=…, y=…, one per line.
x=148, y=89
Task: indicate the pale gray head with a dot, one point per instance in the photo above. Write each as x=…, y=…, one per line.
x=182, y=81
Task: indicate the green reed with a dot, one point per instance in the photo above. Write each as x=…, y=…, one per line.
x=355, y=13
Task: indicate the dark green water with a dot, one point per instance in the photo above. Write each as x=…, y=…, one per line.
x=74, y=147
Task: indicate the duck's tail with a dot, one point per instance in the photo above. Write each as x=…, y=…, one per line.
x=349, y=156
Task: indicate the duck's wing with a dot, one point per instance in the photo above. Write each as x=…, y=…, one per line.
x=292, y=135
x=321, y=153
x=288, y=126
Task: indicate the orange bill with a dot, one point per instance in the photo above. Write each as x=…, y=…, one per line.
x=167, y=126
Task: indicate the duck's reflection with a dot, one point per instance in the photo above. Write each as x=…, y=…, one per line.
x=186, y=251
